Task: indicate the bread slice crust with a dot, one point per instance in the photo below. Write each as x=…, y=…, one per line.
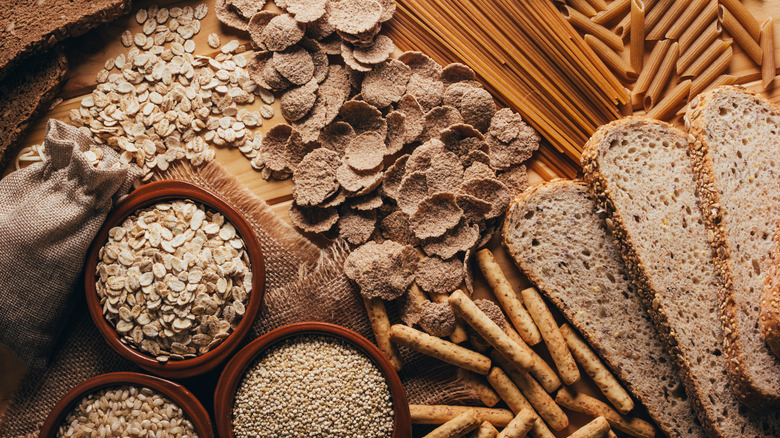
x=744, y=424
x=757, y=393
x=769, y=316
x=652, y=378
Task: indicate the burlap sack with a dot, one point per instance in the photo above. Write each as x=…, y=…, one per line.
x=303, y=283
x=49, y=214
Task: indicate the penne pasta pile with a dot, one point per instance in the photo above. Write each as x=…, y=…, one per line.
x=688, y=51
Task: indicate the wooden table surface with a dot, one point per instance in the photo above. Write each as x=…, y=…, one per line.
x=87, y=55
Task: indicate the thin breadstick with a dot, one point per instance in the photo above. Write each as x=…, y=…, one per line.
x=615, y=9
x=486, y=430
x=740, y=34
x=584, y=7
x=686, y=18
x=667, y=21
x=705, y=40
x=593, y=367
x=543, y=404
x=706, y=18
x=443, y=350
x=654, y=15
x=671, y=102
x=597, y=428
x=539, y=369
x=744, y=16
x=567, y=368
x=650, y=69
x=486, y=394
x=715, y=69
x=768, y=68
x=520, y=425
x=489, y=330
x=618, y=66
x=585, y=25
x=507, y=297
x=457, y=427
x=459, y=335
x=611, y=434
x=380, y=324
x=662, y=77
x=579, y=402
x=706, y=58
x=637, y=34
x=515, y=399
x=598, y=5
x=440, y=414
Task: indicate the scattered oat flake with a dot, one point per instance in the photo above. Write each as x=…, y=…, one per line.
x=354, y=16
x=439, y=119
x=393, y=177
x=489, y=190
x=421, y=64
x=515, y=179
x=413, y=189
x=396, y=227
x=474, y=209
x=462, y=139
x=366, y=151
x=370, y=201
x=477, y=108
x=315, y=177
x=356, y=226
x=439, y=276
x=230, y=16
x=347, y=54
x=478, y=170
x=386, y=83
x=421, y=157
x=295, y=64
x=307, y=11
x=461, y=238
x=363, y=117
x=247, y=8
x=396, y=130
x=457, y=72
x=382, y=270
x=445, y=173
x=435, y=215
x=297, y=102
x=415, y=118
x=355, y=182
x=313, y=219
x=337, y=136
x=453, y=93
x=377, y=52
x=281, y=32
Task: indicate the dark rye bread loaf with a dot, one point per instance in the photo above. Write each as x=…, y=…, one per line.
x=736, y=157
x=556, y=236
x=640, y=173
x=26, y=92
x=28, y=27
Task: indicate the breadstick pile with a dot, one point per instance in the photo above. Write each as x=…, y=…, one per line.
x=689, y=52
x=507, y=371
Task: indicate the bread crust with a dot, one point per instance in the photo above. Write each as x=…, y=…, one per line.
x=599, y=189
x=541, y=283
x=747, y=390
x=769, y=316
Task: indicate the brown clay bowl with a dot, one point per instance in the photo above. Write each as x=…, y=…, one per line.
x=143, y=197
x=193, y=410
x=234, y=371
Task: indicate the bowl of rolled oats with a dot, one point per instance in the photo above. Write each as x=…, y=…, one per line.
x=128, y=404
x=311, y=379
x=174, y=279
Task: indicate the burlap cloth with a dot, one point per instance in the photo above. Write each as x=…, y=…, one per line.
x=303, y=283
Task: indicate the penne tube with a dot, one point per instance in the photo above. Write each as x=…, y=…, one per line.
x=440, y=414
x=740, y=34
x=486, y=430
x=615, y=9
x=705, y=40
x=539, y=368
x=662, y=77
x=637, y=34
x=667, y=20
x=653, y=16
x=459, y=335
x=579, y=402
x=715, y=69
x=598, y=428
x=513, y=398
x=440, y=349
x=507, y=297
x=520, y=425
x=650, y=69
x=706, y=18
x=584, y=24
x=670, y=102
x=457, y=427
x=380, y=324
x=618, y=66
x=706, y=58
x=745, y=18
x=583, y=7
x=686, y=18
x=624, y=27
x=768, y=68
x=486, y=394
x=598, y=5
x=598, y=372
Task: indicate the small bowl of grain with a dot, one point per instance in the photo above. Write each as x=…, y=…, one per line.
x=311, y=379
x=127, y=404
x=174, y=279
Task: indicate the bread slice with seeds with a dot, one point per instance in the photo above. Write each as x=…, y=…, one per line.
x=558, y=238
x=736, y=155
x=640, y=173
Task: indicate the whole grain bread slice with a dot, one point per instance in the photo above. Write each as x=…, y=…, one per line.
x=30, y=27
x=640, y=173
x=557, y=237
x=736, y=157
x=769, y=316
x=26, y=92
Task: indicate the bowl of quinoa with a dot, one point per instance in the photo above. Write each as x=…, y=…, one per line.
x=311, y=379
x=128, y=404
x=174, y=279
